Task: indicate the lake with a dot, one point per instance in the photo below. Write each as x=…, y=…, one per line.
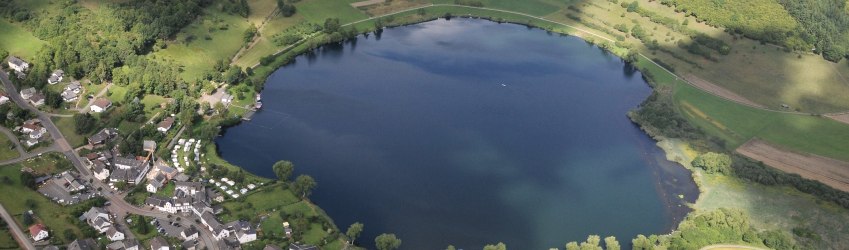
x=467, y=132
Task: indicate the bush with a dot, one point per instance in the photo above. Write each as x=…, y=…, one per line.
x=713, y=163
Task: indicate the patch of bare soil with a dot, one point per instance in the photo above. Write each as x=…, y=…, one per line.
x=720, y=91
x=831, y=172
x=366, y=3
x=844, y=118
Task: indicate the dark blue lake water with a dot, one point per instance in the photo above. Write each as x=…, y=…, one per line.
x=467, y=132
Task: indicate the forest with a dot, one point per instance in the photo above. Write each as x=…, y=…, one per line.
x=820, y=26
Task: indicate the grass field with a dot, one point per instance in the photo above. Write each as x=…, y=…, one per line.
x=317, y=11
x=267, y=202
x=54, y=216
x=213, y=37
x=66, y=126
x=768, y=207
x=18, y=41
x=8, y=149
x=6, y=240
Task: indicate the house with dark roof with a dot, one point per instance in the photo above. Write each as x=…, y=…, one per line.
x=102, y=137
x=114, y=235
x=83, y=244
x=153, y=185
x=27, y=93
x=36, y=99
x=18, y=64
x=56, y=77
x=127, y=244
x=158, y=243
x=98, y=218
x=190, y=233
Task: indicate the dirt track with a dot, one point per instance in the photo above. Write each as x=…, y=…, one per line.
x=720, y=91
x=844, y=118
x=829, y=171
x=366, y=3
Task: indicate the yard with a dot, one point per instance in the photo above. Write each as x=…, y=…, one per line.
x=18, y=41
x=268, y=202
x=9, y=151
x=57, y=218
x=66, y=126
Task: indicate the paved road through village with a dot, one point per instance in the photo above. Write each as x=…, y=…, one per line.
x=117, y=202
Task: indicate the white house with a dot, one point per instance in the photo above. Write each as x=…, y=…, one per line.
x=3, y=98
x=226, y=98
x=189, y=233
x=36, y=99
x=101, y=105
x=18, y=65
x=56, y=77
x=153, y=185
x=99, y=169
x=242, y=230
x=114, y=235
x=38, y=232
x=98, y=218
x=27, y=93
x=165, y=124
x=157, y=243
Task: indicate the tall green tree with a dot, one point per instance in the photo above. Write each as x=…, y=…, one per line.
x=304, y=185
x=354, y=231
x=283, y=170
x=713, y=163
x=611, y=243
x=387, y=242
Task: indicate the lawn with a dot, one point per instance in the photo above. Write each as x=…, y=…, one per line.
x=153, y=104
x=116, y=94
x=48, y=163
x=9, y=151
x=317, y=11
x=532, y=7
x=268, y=201
x=18, y=41
x=57, y=218
x=6, y=240
x=66, y=126
x=213, y=37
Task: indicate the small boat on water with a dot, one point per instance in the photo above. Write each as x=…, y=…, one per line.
x=258, y=105
x=258, y=97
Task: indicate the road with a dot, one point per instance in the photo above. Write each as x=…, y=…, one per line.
x=20, y=236
x=61, y=145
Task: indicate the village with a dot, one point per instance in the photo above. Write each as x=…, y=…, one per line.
x=171, y=191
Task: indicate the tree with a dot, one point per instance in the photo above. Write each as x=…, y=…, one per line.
x=283, y=170
x=499, y=246
x=387, y=242
x=141, y=225
x=84, y=123
x=28, y=180
x=450, y=247
x=286, y=10
x=304, y=185
x=249, y=34
x=331, y=25
x=713, y=163
x=572, y=246
x=354, y=231
x=611, y=243
x=27, y=218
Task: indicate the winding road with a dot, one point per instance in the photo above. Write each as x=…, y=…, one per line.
x=61, y=145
